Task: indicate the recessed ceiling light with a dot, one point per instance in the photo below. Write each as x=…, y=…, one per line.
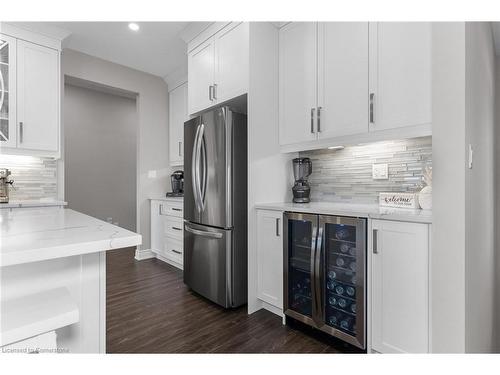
x=133, y=26
x=336, y=148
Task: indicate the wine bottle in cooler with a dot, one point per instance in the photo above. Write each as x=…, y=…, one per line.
x=347, y=323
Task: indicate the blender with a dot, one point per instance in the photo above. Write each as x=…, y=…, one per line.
x=302, y=168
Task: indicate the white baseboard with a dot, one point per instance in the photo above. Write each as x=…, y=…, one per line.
x=163, y=259
x=144, y=254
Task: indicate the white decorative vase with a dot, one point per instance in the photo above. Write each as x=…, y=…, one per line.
x=425, y=198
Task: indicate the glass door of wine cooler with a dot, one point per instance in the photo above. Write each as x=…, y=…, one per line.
x=343, y=253
x=300, y=233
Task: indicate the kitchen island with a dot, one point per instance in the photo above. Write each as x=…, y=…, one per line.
x=53, y=277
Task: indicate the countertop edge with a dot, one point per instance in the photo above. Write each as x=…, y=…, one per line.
x=415, y=216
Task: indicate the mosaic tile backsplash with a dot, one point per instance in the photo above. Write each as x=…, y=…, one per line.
x=346, y=175
x=34, y=177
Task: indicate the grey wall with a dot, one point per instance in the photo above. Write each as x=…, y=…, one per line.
x=152, y=132
x=480, y=220
x=447, y=258
x=100, y=154
x=346, y=175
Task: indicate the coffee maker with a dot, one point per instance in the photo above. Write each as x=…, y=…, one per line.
x=302, y=168
x=177, y=181
x=4, y=185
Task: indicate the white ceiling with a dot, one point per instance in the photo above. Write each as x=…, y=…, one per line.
x=157, y=48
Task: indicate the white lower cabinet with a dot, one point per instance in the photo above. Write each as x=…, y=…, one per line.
x=167, y=231
x=270, y=257
x=400, y=287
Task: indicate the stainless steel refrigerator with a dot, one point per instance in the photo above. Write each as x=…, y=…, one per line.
x=215, y=206
x=325, y=274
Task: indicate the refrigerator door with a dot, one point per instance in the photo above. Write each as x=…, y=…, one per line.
x=208, y=169
x=300, y=234
x=340, y=277
x=207, y=262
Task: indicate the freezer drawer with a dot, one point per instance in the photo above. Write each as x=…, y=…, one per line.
x=207, y=262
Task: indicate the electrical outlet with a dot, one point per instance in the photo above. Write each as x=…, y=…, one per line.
x=380, y=171
x=152, y=174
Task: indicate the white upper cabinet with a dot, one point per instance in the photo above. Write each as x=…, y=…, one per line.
x=400, y=287
x=37, y=97
x=201, y=71
x=218, y=66
x=177, y=116
x=231, y=64
x=400, y=74
x=297, y=82
x=342, y=78
x=7, y=91
x=270, y=257
x=352, y=82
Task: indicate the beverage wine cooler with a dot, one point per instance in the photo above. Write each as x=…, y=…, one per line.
x=325, y=272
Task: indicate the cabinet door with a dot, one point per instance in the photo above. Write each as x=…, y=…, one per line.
x=157, y=233
x=7, y=91
x=342, y=78
x=400, y=74
x=177, y=116
x=270, y=257
x=297, y=82
x=400, y=281
x=231, y=67
x=201, y=64
x=37, y=97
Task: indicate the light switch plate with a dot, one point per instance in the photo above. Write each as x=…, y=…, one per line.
x=380, y=171
x=152, y=174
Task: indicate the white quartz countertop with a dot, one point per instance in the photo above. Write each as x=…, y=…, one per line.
x=36, y=234
x=32, y=203
x=171, y=199
x=372, y=211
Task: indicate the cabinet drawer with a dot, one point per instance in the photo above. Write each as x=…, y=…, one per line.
x=172, y=209
x=173, y=227
x=173, y=250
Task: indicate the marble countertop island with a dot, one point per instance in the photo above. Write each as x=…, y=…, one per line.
x=33, y=235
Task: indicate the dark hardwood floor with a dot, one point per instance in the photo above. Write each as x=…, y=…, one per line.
x=150, y=310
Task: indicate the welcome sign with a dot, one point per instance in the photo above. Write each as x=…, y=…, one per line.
x=401, y=200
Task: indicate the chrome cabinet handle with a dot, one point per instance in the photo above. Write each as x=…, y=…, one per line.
x=372, y=98
x=21, y=132
x=203, y=233
x=210, y=93
x=319, y=119
x=215, y=91
x=278, y=227
x=176, y=209
x=312, y=120
x=180, y=143
x=176, y=251
x=375, y=241
x=176, y=228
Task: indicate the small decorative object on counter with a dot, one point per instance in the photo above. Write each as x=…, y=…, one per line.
x=425, y=195
x=400, y=200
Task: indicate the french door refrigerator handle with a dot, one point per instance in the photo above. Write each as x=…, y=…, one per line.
x=202, y=160
x=317, y=277
x=193, y=169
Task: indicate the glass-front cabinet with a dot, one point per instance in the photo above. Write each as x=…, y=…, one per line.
x=325, y=273
x=7, y=91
